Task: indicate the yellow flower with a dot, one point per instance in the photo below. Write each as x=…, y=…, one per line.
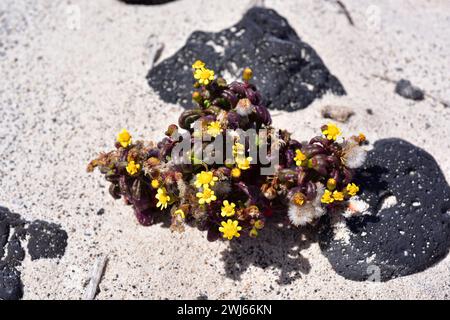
x=155, y=183
x=235, y=172
x=243, y=163
x=181, y=213
x=299, y=157
x=214, y=129
x=338, y=196
x=238, y=149
x=204, y=76
x=230, y=229
x=331, y=131
x=133, y=168
x=228, y=209
x=163, y=198
x=205, y=179
x=206, y=196
x=327, y=197
x=361, y=137
x=352, y=189
x=124, y=138
x=198, y=64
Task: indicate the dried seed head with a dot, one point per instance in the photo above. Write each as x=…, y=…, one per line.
x=244, y=107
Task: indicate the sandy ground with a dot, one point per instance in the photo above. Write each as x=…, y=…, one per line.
x=67, y=88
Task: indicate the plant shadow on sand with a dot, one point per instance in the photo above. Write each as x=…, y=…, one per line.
x=278, y=246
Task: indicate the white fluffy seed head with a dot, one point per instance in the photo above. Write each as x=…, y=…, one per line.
x=354, y=155
x=356, y=207
x=244, y=107
x=301, y=215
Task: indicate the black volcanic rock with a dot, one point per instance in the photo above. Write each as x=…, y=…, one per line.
x=288, y=72
x=10, y=284
x=408, y=91
x=45, y=240
x=405, y=238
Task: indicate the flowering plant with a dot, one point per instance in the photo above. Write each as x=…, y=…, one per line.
x=231, y=170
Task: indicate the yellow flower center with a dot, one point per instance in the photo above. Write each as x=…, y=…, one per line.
x=230, y=229
x=298, y=199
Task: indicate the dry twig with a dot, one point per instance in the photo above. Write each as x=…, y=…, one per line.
x=96, y=276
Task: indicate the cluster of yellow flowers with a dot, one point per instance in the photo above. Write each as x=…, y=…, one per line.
x=124, y=139
x=205, y=180
x=202, y=74
x=330, y=195
x=242, y=162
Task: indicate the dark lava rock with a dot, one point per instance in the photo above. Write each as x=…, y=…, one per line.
x=10, y=284
x=405, y=238
x=287, y=71
x=408, y=91
x=47, y=240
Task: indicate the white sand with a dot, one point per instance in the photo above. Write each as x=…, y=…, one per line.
x=66, y=93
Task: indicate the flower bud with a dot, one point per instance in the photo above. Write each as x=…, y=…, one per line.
x=253, y=233
x=171, y=130
x=196, y=96
x=331, y=184
x=247, y=74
